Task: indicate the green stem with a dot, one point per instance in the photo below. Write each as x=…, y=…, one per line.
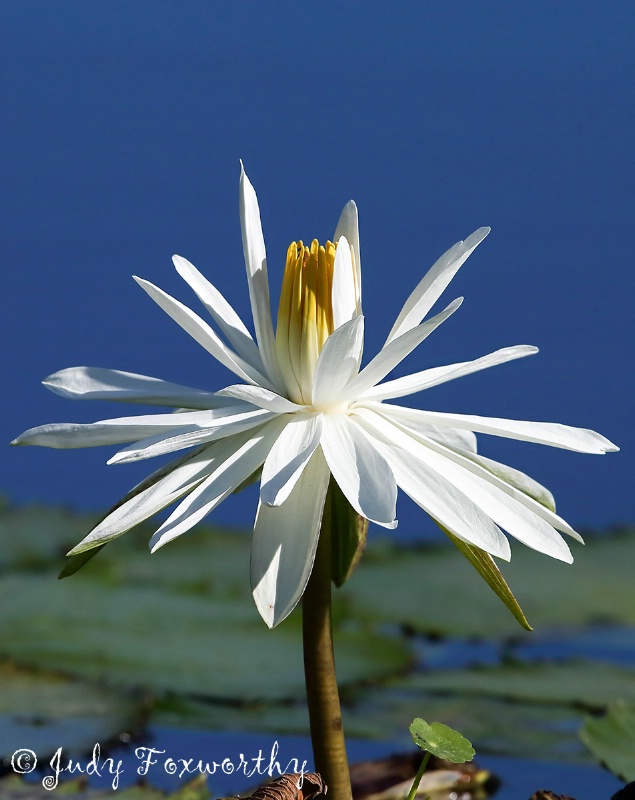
x=418, y=776
x=327, y=734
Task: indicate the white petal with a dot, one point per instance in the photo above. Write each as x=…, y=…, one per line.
x=433, y=284
x=464, y=441
x=222, y=312
x=338, y=362
x=514, y=477
x=256, y=263
x=235, y=459
x=94, y=383
x=392, y=354
x=439, y=498
x=488, y=495
x=516, y=484
x=155, y=493
x=288, y=457
x=348, y=226
x=284, y=543
x=201, y=332
x=361, y=472
x=263, y=398
x=433, y=377
x=343, y=294
x=167, y=442
x=67, y=435
x=551, y=433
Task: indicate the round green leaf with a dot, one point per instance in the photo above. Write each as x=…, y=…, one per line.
x=441, y=741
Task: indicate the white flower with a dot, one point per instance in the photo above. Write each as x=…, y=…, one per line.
x=303, y=410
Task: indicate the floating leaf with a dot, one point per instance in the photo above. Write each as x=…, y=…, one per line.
x=172, y=641
x=50, y=711
x=589, y=684
x=14, y=788
x=432, y=590
x=441, y=741
x=611, y=739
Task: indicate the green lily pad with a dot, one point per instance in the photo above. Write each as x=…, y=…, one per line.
x=441, y=741
x=36, y=536
x=588, y=684
x=435, y=590
x=430, y=589
x=611, y=739
x=50, y=711
x=14, y=788
x=172, y=641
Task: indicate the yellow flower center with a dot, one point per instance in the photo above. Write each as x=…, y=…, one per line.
x=305, y=315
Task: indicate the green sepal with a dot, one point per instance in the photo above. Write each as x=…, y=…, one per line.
x=349, y=532
x=486, y=567
x=441, y=741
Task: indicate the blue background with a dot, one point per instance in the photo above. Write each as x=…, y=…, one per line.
x=122, y=128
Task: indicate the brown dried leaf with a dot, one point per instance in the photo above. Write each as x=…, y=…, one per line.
x=302, y=786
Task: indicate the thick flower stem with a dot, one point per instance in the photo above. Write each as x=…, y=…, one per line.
x=327, y=734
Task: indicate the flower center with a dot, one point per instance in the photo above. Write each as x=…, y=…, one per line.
x=305, y=315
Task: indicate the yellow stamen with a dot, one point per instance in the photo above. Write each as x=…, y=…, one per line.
x=305, y=314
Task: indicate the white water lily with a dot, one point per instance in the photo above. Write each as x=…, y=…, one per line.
x=303, y=411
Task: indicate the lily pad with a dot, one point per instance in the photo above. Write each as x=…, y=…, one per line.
x=167, y=640
x=587, y=684
x=493, y=725
x=14, y=788
x=50, y=711
x=435, y=590
x=441, y=741
x=37, y=536
x=611, y=739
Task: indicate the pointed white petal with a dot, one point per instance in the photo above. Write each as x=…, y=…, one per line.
x=433, y=284
x=464, y=441
x=284, y=543
x=338, y=362
x=155, y=493
x=392, y=354
x=526, y=490
x=489, y=496
x=263, y=398
x=201, y=332
x=343, y=294
x=223, y=314
x=443, y=501
x=433, y=377
x=235, y=460
x=551, y=433
x=169, y=442
x=289, y=456
x=256, y=263
x=516, y=484
x=361, y=472
x=348, y=226
x=93, y=383
x=67, y=435
x=514, y=477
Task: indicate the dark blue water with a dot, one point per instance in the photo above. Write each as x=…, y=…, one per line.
x=124, y=123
